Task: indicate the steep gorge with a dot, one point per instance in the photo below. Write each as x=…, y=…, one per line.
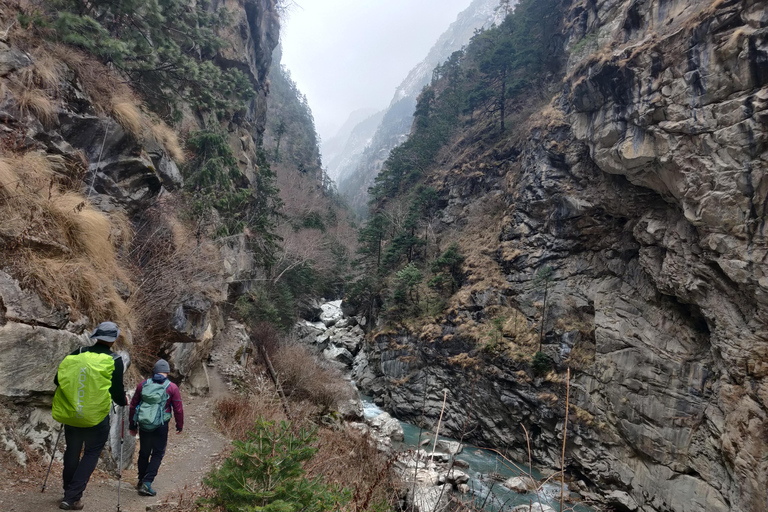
x=642, y=185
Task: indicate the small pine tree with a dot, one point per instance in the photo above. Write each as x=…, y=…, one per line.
x=265, y=473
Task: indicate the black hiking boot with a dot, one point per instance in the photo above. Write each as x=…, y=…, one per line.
x=76, y=505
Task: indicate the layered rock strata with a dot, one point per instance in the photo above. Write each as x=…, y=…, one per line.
x=645, y=189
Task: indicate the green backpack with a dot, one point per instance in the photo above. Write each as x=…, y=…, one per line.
x=150, y=413
x=82, y=398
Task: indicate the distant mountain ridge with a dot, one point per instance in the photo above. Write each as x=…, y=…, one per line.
x=355, y=168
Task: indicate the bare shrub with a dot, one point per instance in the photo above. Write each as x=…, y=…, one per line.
x=168, y=260
x=351, y=459
x=32, y=101
x=236, y=415
x=305, y=377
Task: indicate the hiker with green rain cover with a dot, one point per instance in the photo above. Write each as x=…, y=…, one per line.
x=150, y=413
x=88, y=380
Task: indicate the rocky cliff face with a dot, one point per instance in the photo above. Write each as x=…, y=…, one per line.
x=643, y=186
x=127, y=171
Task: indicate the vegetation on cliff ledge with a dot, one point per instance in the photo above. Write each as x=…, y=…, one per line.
x=410, y=273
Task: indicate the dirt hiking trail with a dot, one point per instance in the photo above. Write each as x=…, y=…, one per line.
x=188, y=458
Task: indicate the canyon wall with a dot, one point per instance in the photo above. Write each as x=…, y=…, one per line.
x=643, y=186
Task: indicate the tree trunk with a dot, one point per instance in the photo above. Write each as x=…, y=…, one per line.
x=543, y=315
x=503, y=101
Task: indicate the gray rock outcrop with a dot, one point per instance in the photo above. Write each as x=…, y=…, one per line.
x=31, y=357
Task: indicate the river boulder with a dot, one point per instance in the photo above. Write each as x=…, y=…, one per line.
x=339, y=354
x=454, y=477
x=387, y=426
x=428, y=499
x=520, y=484
x=331, y=313
x=451, y=447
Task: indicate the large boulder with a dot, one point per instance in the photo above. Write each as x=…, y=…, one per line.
x=448, y=446
x=352, y=409
x=191, y=319
x=26, y=307
x=120, y=439
x=309, y=310
x=349, y=338
x=454, y=477
x=428, y=499
x=12, y=59
x=387, y=426
x=339, y=354
x=30, y=359
x=121, y=173
x=307, y=332
x=331, y=313
x=520, y=484
x=621, y=500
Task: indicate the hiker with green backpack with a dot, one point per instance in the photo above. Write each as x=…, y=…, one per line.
x=150, y=413
x=87, y=381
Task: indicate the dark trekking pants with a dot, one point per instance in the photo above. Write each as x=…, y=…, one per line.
x=151, y=450
x=78, y=471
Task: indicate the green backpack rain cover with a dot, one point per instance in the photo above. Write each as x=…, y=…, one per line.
x=150, y=413
x=82, y=398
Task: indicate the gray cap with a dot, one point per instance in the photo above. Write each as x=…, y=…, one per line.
x=161, y=366
x=106, y=331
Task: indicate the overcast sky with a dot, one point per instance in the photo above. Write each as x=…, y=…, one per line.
x=351, y=54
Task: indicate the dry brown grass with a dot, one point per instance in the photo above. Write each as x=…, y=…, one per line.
x=127, y=114
x=582, y=355
x=97, y=80
x=350, y=459
x=33, y=101
x=582, y=415
x=166, y=136
x=550, y=398
x=734, y=42
x=57, y=243
x=464, y=361
x=305, y=377
x=237, y=415
x=45, y=73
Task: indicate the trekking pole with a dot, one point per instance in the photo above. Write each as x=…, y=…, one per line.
x=120, y=469
x=53, y=454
